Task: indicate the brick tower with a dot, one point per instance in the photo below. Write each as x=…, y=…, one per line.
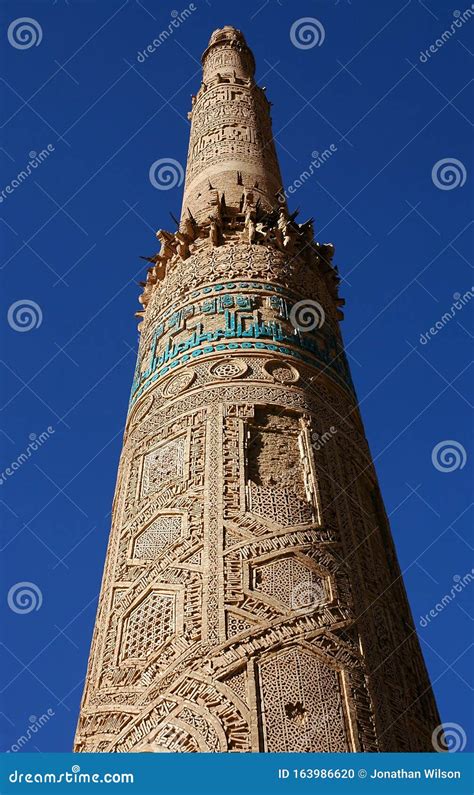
x=252, y=599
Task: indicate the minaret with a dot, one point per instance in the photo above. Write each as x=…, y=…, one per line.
x=252, y=599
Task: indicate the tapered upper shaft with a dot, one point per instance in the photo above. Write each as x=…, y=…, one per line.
x=231, y=146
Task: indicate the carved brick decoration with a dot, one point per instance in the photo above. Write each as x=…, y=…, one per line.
x=148, y=625
x=163, y=465
x=289, y=581
x=303, y=704
x=165, y=530
x=252, y=598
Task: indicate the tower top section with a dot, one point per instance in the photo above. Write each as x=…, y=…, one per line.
x=231, y=150
x=230, y=43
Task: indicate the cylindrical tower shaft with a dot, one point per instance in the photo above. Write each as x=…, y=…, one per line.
x=231, y=148
x=252, y=599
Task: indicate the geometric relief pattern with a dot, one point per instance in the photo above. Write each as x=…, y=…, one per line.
x=279, y=480
x=210, y=633
x=149, y=624
x=165, y=530
x=202, y=726
x=236, y=624
x=162, y=465
x=238, y=683
x=289, y=581
x=282, y=506
x=302, y=704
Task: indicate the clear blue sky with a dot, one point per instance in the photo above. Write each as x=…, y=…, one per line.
x=72, y=234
